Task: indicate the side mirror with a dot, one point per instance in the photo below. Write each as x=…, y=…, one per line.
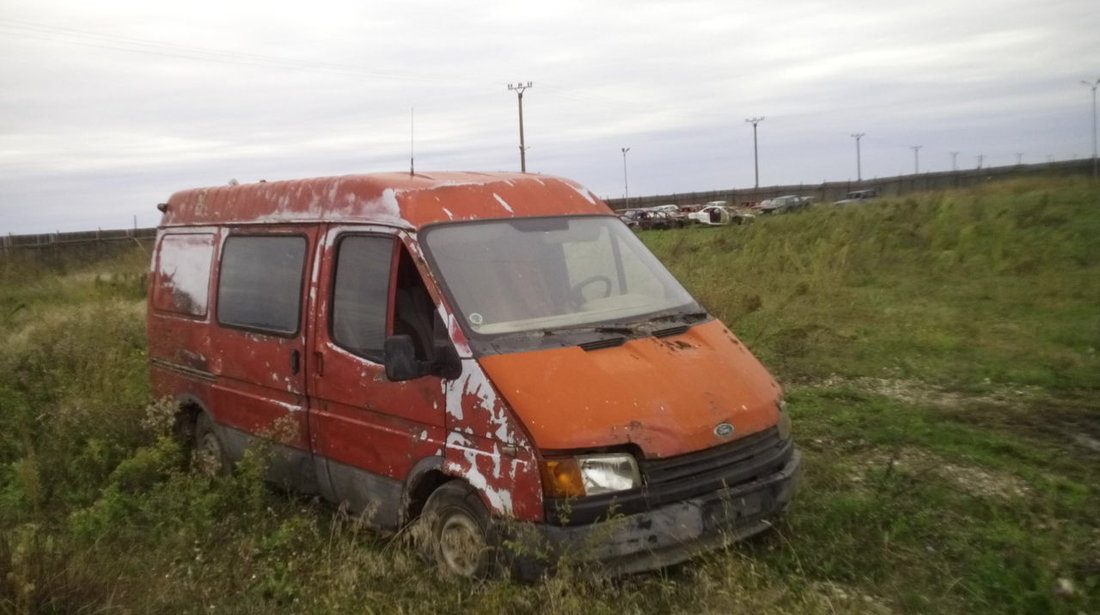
x=447, y=365
x=399, y=357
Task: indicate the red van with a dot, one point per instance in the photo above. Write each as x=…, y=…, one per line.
x=487, y=355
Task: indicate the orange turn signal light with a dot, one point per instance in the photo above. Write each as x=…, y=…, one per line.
x=561, y=478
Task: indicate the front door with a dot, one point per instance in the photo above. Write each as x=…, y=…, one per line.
x=367, y=432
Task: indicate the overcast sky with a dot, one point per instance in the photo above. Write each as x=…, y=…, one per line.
x=108, y=107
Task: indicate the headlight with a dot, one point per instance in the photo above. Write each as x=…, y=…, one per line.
x=590, y=475
x=608, y=473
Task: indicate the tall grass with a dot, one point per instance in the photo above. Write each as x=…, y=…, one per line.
x=940, y=360
x=996, y=284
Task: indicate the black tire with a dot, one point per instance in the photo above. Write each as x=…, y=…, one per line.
x=208, y=455
x=454, y=535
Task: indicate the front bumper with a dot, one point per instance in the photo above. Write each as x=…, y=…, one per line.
x=666, y=535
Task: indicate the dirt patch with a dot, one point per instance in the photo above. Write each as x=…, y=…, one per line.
x=921, y=393
x=916, y=462
x=1071, y=421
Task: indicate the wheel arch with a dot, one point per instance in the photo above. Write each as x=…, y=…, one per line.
x=188, y=409
x=424, y=478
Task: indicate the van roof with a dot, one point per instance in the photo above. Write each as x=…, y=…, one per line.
x=397, y=199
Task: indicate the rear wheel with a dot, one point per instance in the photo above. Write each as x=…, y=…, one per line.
x=455, y=532
x=208, y=456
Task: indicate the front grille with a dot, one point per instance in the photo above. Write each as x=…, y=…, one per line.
x=728, y=465
x=683, y=477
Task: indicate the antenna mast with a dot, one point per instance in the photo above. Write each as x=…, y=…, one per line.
x=412, y=152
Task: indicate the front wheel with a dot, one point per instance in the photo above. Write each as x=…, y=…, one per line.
x=455, y=532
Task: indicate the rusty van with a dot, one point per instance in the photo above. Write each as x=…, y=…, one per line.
x=482, y=356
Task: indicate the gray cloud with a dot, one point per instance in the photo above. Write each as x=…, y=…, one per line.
x=109, y=107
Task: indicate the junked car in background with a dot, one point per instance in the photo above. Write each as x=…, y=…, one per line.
x=651, y=219
x=783, y=204
x=858, y=196
x=716, y=213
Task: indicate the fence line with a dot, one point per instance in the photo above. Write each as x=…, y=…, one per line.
x=103, y=241
x=55, y=248
x=887, y=186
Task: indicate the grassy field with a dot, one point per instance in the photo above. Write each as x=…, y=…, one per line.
x=940, y=358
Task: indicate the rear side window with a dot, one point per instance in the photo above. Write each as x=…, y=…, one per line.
x=260, y=286
x=183, y=273
x=361, y=294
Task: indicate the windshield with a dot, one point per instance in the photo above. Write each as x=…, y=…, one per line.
x=527, y=274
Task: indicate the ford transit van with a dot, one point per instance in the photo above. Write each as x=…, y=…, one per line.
x=493, y=358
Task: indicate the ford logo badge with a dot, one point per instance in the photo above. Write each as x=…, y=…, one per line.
x=723, y=430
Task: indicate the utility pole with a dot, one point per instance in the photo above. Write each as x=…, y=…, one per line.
x=519, y=88
x=859, y=166
x=980, y=157
x=1093, y=87
x=755, y=160
x=916, y=158
x=1019, y=159
x=954, y=161
x=626, y=184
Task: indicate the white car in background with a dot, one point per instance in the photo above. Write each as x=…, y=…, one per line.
x=716, y=213
x=783, y=204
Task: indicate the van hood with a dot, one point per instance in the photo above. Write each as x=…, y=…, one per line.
x=665, y=395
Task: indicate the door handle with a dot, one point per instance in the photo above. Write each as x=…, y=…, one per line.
x=295, y=361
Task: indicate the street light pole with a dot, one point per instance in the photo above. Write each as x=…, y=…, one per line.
x=1093, y=86
x=626, y=184
x=916, y=158
x=755, y=159
x=519, y=88
x=859, y=168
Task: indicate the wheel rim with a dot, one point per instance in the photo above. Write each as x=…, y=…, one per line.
x=208, y=454
x=461, y=545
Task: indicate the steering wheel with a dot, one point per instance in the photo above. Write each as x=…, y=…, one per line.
x=576, y=292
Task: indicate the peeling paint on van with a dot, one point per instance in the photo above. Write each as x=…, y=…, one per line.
x=503, y=203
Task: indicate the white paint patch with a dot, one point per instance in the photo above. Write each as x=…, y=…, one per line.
x=496, y=461
x=452, y=389
x=499, y=499
x=477, y=383
x=473, y=381
x=503, y=203
x=388, y=201
x=287, y=406
x=450, y=216
x=455, y=332
x=588, y=196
